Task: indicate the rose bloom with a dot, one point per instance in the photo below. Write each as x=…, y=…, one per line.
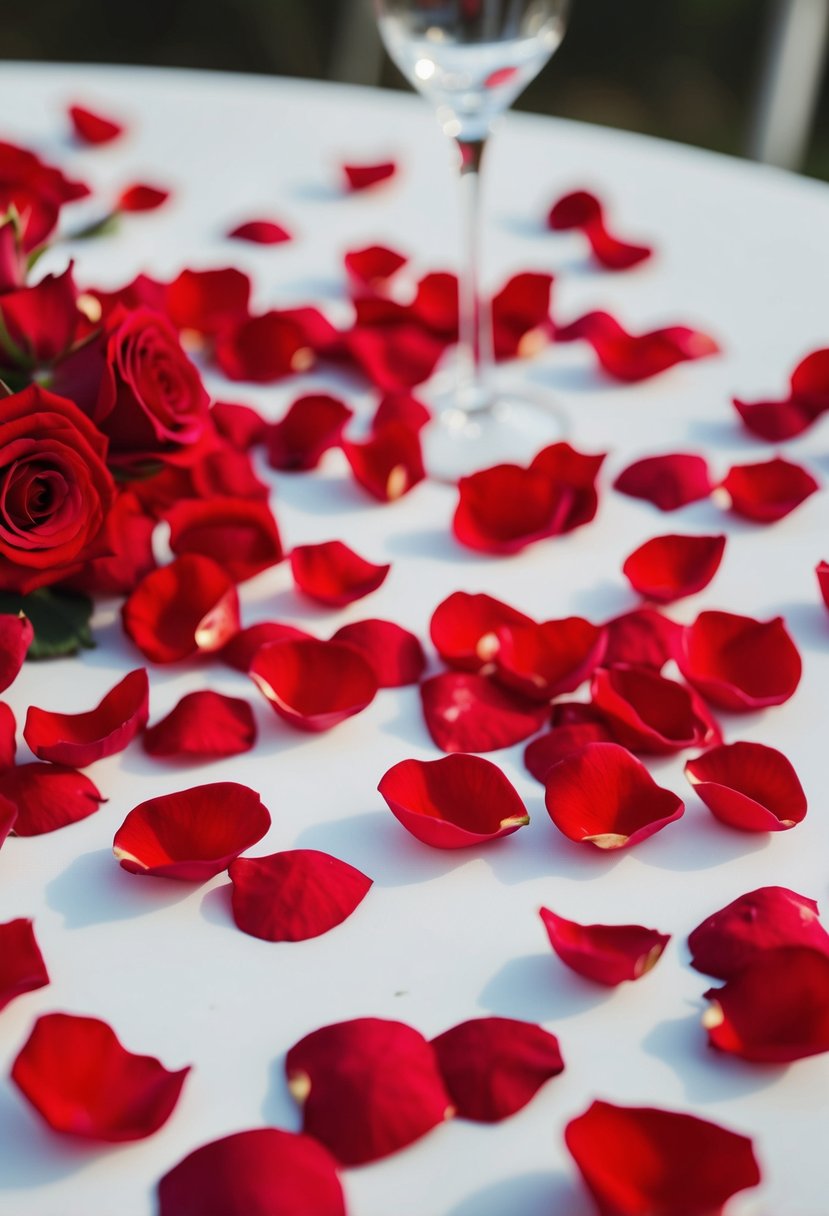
x=55, y=490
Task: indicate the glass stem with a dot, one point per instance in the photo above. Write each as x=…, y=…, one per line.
x=474, y=325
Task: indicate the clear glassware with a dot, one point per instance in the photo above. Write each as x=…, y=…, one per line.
x=471, y=59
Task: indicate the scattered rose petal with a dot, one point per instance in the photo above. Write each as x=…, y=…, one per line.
x=648, y=713
x=574, y=476
x=642, y=1161
x=239, y=535
x=373, y=266
x=505, y=508
x=207, y=301
x=738, y=663
x=311, y=426
x=668, y=568
x=607, y=954
x=542, y=753
x=453, y=803
x=333, y=574
x=367, y=1087
x=241, y=648
x=47, y=797
x=264, y=1172
x=395, y=357
x=264, y=349
x=492, y=1067
x=521, y=323
x=129, y=541
x=464, y=628
x=83, y=1082
x=22, y=968
x=193, y=834
x=294, y=896
x=769, y=491
x=389, y=463
x=810, y=380
x=604, y=796
x=581, y=209
x=466, y=712
x=436, y=304
x=775, y=421
x=313, y=685
x=183, y=609
x=204, y=725
x=8, y=815
x=634, y=357
x=91, y=128
x=822, y=572
x=141, y=197
x=544, y=661
x=361, y=177
x=241, y=425
x=16, y=635
x=401, y=407
x=748, y=786
x=394, y=654
x=728, y=940
x=260, y=232
x=643, y=636
x=669, y=482
x=80, y=739
x=226, y=473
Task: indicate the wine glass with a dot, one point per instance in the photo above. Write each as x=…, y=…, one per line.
x=471, y=59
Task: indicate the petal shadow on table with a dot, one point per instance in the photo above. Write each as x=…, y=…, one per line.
x=94, y=889
x=31, y=1156
x=534, y=1194
x=537, y=987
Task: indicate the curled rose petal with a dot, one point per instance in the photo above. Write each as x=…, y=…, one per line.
x=208, y=301
x=604, y=796
x=389, y=463
x=204, y=725
x=47, y=797
x=141, y=197
x=581, y=209
x=748, y=786
x=333, y=574
x=775, y=421
x=22, y=968
x=769, y=491
x=436, y=304
x=193, y=834
x=373, y=266
x=648, y=713
x=542, y=753
x=183, y=609
x=83, y=1082
x=607, y=954
x=239, y=535
x=466, y=712
x=667, y=568
x=454, y=802
x=738, y=663
x=643, y=636
x=313, y=685
x=241, y=425
x=574, y=475
x=810, y=381
x=260, y=232
x=544, y=661
x=92, y=128
x=8, y=745
x=669, y=482
x=264, y=349
x=464, y=628
x=505, y=508
x=728, y=940
x=492, y=1067
x=241, y=648
x=401, y=407
x=8, y=815
x=775, y=1009
x=80, y=739
x=16, y=636
x=294, y=896
x=395, y=357
x=362, y=177
x=635, y=357
x=642, y=1161
x=263, y=1172
x=822, y=572
x=367, y=1087
x=311, y=426
x=521, y=323
x=394, y=654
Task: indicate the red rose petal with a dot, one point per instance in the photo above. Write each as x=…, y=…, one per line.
x=264, y=1172
x=542, y=753
x=604, y=796
x=464, y=628
x=395, y=357
x=667, y=568
x=635, y=357
x=367, y=1087
x=583, y=210
x=608, y=954
x=203, y=725
x=738, y=663
x=264, y=349
x=374, y=266
x=91, y=128
x=454, y=802
x=436, y=304
x=642, y=1161
x=775, y=420
x=141, y=197
x=521, y=316
x=769, y=491
x=401, y=407
x=574, y=475
x=643, y=636
x=239, y=535
x=193, y=834
x=294, y=896
x=311, y=426
x=361, y=177
x=22, y=968
x=313, y=685
x=16, y=635
x=389, y=463
x=492, y=1067
x=506, y=508
x=822, y=572
x=775, y=1009
x=669, y=481
x=241, y=425
x=241, y=649
x=8, y=815
x=748, y=786
x=810, y=380
x=544, y=661
x=226, y=473
x=465, y=712
x=83, y=1082
x=180, y=610
x=728, y=940
x=260, y=232
x=394, y=654
x=208, y=300
x=129, y=539
x=80, y=739
x=648, y=713
x=47, y=797
x=333, y=574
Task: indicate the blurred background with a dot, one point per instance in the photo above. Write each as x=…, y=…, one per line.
x=741, y=76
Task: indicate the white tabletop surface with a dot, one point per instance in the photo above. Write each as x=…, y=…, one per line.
x=441, y=937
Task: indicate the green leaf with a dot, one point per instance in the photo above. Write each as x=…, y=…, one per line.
x=59, y=618
x=105, y=226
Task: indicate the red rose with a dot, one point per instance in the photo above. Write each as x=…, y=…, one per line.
x=55, y=490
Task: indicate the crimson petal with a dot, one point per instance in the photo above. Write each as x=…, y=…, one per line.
x=362, y=177
x=574, y=475
x=464, y=628
x=241, y=649
x=748, y=786
x=313, y=685
x=669, y=482
x=239, y=535
x=581, y=209
x=608, y=954
x=80, y=739
x=822, y=572
x=635, y=357
x=141, y=197
x=91, y=128
x=294, y=896
x=401, y=407
x=466, y=712
x=389, y=463
x=264, y=349
x=373, y=266
x=667, y=568
x=260, y=232
x=505, y=508
x=16, y=636
x=333, y=574
x=775, y=420
x=395, y=357
x=8, y=815
x=521, y=316
x=728, y=940
x=648, y=713
x=542, y=753
x=544, y=661
x=643, y=636
x=47, y=797
x=312, y=424
x=738, y=663
x=241, y=425
x=394, y=654
x=203, y=725
x=186, y=608
x=769, y=491
x=207, y=301
x=22, y=968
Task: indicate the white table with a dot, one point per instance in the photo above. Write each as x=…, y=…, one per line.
x=441, y=937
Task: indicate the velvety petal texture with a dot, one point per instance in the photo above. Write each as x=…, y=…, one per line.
x=606, y=954
x=22, y=968
x=767, y=492
x=464, y=628
x=204, y=725
x=312, y=424
x=544, y=661
x=16, y=636
x=648, y=713
x=669, y=482
x=583, y=210
x=634, y=357
x=738, y=663
x=294, y=896
x=81, y=739
x=313, y=685
x=668, y=568
x=240, y=536
x=334, y=575
x=749, y=786
x=48, y=797
x=186, y=608
x=761, y=920
x=394, y=654
x=466, y=712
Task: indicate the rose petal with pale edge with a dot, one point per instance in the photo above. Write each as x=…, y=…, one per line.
x=574, y=475
x=333, y=574
x=367, y=1087
x=240, y=650
x=436, y=304
x=642, y=1161
x=775, y=1009
x=748, y=786
x=263, y=1172
x=47, y=797
x=294, y=896
x=81, y=739
x=373, y=266
x=141, y=197
x=260, y=232
x=738, y=663
x=193, y=834
x=239, y=535
x=208, y=301
x=204, y=725
x=521, y=324
x=769, y=491
x=466, y=712
x=607, y=954
x=810, y=380
x=362, y=177
x=634, y=357
x=775, y=421
x=648, y=713
x=241, y=425
x=667, y=568
x=453, y=803
x=83, y=1082
x=92, y=128
x=604, y=796
x=644, y=637
x=542, y=753
x=544, y=661
x=401, y=407
x=728, y=940
x=395, y=357
x=389, y=463
x=669, y=482
x=311, y=426
x=505, y=508
x=581, y=209
x=313, y=685
x=394, y=654
x=186, y=608
x=464, y=628
x=492, y=1067
x=263, y=349
x=22, y=968
x=822, y=572
x=16, y=636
